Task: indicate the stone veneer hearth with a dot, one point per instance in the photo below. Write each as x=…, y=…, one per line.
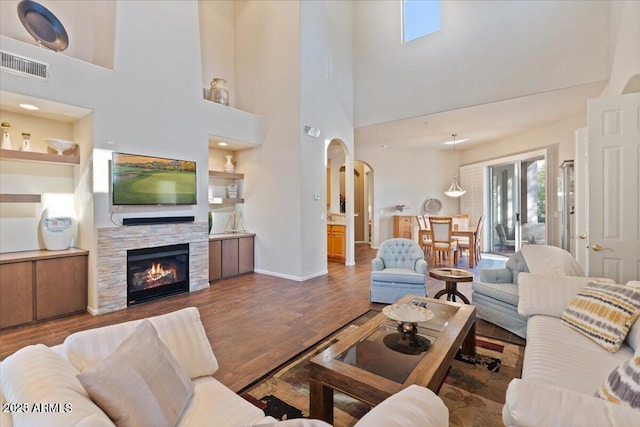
x=113, y=243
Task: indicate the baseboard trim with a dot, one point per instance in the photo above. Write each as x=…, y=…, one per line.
x=290, y=277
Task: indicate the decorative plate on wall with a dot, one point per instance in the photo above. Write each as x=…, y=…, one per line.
x=43, y=25
x=432, y=206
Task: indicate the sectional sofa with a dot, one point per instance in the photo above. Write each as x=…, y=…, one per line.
x=563, y=368
x=156, y=371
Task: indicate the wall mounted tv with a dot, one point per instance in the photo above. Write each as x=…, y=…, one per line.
x=145, y=180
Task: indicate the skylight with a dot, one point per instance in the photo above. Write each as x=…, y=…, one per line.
x=419, y=18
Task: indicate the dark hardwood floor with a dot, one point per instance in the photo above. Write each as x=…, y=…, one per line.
x=255, y=322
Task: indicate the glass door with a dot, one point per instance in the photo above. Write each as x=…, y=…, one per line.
x=518, y=204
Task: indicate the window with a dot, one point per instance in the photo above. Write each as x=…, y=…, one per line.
x=419, y=18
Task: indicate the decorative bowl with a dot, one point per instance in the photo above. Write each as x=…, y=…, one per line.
x=60, y=145
x=408, y=313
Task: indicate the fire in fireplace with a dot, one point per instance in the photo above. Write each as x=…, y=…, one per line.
x=157, y=272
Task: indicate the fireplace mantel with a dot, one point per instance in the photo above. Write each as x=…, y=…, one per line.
x=113, y=243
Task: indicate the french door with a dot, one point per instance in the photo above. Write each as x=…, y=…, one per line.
x=517, y=201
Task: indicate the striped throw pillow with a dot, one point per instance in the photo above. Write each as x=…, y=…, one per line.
x=604, y=312
x=622, y=386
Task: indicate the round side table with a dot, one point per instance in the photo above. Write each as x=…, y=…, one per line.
x=451, y=276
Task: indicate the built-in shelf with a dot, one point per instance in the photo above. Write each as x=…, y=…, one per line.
x=20, y=198
x=225, y=201
x=227, y=175
x=72, y=158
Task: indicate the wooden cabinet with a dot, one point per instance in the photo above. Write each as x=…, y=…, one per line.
x=336, y=243
x=230, y=255
x=40, y=285
x=403, y=226
x=16, y=294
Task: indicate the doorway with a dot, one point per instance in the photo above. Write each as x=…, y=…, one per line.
x=518, y=206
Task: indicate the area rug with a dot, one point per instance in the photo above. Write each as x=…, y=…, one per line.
x=474, y=390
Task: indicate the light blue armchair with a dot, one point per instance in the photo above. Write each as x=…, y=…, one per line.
x=496, y=295
x=399, y=269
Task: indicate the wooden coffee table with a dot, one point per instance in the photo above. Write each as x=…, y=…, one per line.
x=362, y=366
x=451, y=276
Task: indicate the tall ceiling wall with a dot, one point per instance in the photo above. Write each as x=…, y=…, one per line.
x=485, y=52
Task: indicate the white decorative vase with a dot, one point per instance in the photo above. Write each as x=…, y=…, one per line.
x=25, y=142
x=229, y=167
x=6, y=139
x=58, y=226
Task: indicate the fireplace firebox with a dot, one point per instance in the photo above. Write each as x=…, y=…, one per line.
x=157, y=272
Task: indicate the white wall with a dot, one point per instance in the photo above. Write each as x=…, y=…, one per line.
x=327, y=104
x=267, y=77
x=406, y=177
x=217, y=39
x=485, y=51
x=625, y=34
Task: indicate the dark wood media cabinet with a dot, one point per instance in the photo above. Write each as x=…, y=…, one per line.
x=40, y=285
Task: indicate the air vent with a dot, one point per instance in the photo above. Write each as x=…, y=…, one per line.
x=24, y=66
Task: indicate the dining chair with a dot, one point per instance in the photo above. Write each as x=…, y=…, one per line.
x=424, y=235
x=444, y=245
x=460, y=220
x=464, y=244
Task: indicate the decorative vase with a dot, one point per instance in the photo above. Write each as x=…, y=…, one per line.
x=6, y=140
x=219, y=92
x=25, y=142
x=229, y=167
x=58, y=226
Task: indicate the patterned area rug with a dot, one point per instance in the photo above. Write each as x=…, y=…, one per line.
x=473, y=391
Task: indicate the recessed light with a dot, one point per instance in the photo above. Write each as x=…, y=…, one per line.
x=222, y=144
x=29, y=107
x=384, y=146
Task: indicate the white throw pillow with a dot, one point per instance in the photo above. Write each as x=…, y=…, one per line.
x=37, y=375
x=140, y=384
x=181, y=331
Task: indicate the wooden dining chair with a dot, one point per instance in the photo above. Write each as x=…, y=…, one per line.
x=444, y=245
x=461, y=220
x=465, y=245
x=424, y=235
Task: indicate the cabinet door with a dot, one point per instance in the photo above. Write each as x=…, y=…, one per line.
x=229, y=258
x=16, y=294
x=329, y=242
x=245, y=255
x=338, y=241
x=402, y=226
x=61, y=286
x=215, y=260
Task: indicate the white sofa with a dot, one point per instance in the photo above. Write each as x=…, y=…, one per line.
x=563, y=368
x=39, y=374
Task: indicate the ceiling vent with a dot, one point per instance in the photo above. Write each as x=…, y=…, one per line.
x=24, y=66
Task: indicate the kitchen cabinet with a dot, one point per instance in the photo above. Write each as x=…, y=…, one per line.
x=41, y=285
x=403, y=226
x=336, y=242
x=230, y=255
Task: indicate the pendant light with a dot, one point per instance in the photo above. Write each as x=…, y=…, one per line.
x=455, y=190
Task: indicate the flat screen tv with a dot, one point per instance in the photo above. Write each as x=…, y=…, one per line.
x=145, y=180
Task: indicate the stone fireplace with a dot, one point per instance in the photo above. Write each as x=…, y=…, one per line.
x=157, y=272
x=116, y=243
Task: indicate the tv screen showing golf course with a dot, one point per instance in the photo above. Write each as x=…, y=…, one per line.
x=145, y=180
